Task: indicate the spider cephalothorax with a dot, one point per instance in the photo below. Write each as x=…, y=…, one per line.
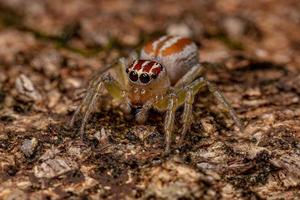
x=167, y=76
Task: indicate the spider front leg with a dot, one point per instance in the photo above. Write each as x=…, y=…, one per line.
x=171, y=101
x=99, y=82
x=87, y=105
x=170, y=105
x=142, y=115
x=168, y=102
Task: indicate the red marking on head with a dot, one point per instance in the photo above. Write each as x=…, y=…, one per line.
x=149, y=66
x=138, y=65
x=157, y=70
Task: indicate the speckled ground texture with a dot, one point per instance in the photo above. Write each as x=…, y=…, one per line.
x=48, y=52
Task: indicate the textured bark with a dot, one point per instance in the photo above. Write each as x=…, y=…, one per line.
x=50, y=49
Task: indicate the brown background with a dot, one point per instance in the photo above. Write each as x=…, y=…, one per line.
x=49, y=49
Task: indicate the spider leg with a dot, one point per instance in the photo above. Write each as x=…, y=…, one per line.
x=125, y=105
x=142, y=115
x=187, y=112
x=90, y=97
x=113, y=87
x=191, y=75
x=200, y=83
x=121, y=71
x=169, y=119
x=222, y=100
x=170, y=104
x=211, y=65
x=99, y=81
x=186, y=95
x=195, y=72
x=90, y=103
x=96, y=80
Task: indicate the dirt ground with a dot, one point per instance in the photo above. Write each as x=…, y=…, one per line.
x=50, y=49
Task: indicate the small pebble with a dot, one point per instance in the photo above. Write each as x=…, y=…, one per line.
x=234, y=26
x=26, y=90
x=28, y=146
x=54, y=167
x=179, y=29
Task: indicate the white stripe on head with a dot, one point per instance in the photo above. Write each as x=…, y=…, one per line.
x=135, y=63
x=140, y=71
x=145, y=63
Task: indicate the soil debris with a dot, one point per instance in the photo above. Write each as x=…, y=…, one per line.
x=50, y=49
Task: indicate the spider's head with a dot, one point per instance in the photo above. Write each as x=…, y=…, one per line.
x=143, y=72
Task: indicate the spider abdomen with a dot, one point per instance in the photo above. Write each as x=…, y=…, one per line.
x=176, y=54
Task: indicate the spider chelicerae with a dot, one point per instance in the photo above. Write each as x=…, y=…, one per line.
x=167, y=76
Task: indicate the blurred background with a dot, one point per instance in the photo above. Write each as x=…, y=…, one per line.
x=266, y=29
x=50, y=48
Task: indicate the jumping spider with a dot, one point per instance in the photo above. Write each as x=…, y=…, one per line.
x=167, y=75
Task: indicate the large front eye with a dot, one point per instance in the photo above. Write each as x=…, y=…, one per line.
x=133, y=76
x=144, y=78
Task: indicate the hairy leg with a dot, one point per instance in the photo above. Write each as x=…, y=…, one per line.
x=201, y=82
x=123, y=79
x=187, y=113
x=195, y=72
x=113, y=87
x=121, y=71
x=92, y=90
x=191, y=75
x=170, y=104
x=91, y=95
x=211, y=65
x=169, y=120
x=221, y=99
x=89, y=108
x=142, y=115
x=186, y=95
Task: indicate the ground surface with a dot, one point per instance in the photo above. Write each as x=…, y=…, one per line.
x=48, y=50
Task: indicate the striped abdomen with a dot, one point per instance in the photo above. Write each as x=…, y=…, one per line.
x=176, y=54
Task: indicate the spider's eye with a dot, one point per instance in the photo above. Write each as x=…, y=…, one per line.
x=144, y=78
x=127, y=70
x=154, y=76
x=133, y=76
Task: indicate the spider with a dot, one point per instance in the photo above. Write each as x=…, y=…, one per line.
x=167, y=75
